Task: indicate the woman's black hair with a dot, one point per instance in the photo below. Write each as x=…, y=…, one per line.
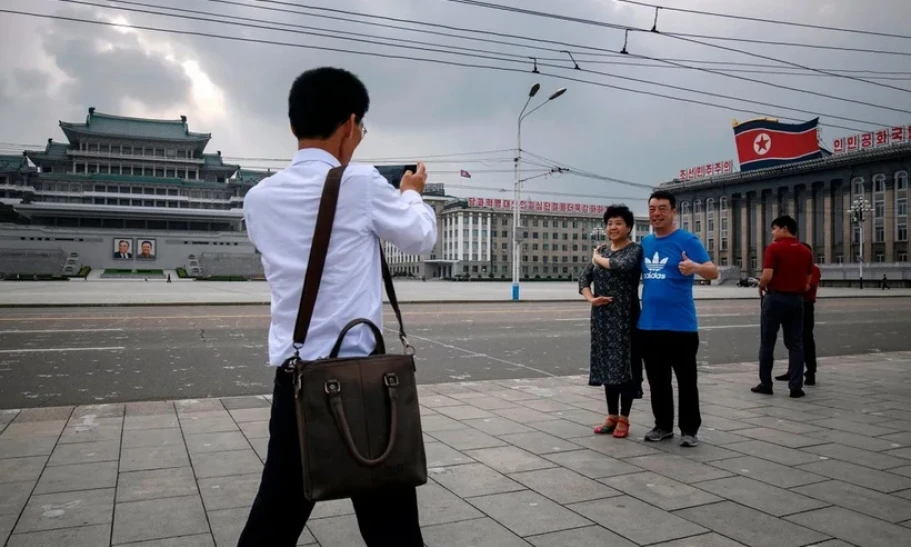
x=619, y=211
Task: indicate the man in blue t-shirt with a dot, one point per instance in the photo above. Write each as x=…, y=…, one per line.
x=668, y=327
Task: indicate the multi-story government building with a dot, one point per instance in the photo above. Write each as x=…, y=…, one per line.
x=732, y=213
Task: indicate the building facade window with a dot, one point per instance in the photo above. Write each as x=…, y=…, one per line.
x=879, y=208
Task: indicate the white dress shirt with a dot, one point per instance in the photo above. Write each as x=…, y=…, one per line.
x=280, y=213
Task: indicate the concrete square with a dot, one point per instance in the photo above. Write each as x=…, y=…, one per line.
x=581, y=417
x=244, y=403
x=749, y=526
x=67, y=510
x=782, y=438
x=463, y=412
x=84, y=536
x=430, y=424
x=6, y=526
x=660, y=491
x=337, y=508
x=43, y=414
x=70, y=454
x=509, y=459
x=223, y=464
x=83, y=476
x=722, y=424
x=563, y=429
x=31, y=430
x=337, y=532
x=786, y=425
x=13, y=496
x=865, y=458
x=150, y=408
x=261, y=414
x=880, y=481
x=636, y=520
x=497, y=426
x=769, y=472
x=854, y=528
x=761, y=496
x=473, y=480
x=591, y=464
x=714, y=540
x=718, y=437
x=229, y=492
x=203, y=540
x=563, y=486
x=616, y=448
x=862, y=500
x=254, y=430
x=440, y=455
x=99, y=411
x=91, y=429
x=155, y=484
x=215, y=442
x=528, y=513
x=525, y=415
x=155, y=421
x=194, y=426
x=488, y=403
x=159, y=518
x=482, y=532
x=437, y=401
x=678, y=468
x=546, y=405
x=842, y=424
x=540, y=443
x=189, y=406
x=773, y=452
x=851, y=439
x=580, y=537
x=139, y=459
x=152, y=438
x=466, y=439
x=21, y=469
x=436, y=505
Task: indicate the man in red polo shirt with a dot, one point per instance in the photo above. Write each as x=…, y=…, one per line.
x=809, y=321
x=786, y=275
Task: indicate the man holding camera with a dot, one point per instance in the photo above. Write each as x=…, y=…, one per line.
x=326, y=108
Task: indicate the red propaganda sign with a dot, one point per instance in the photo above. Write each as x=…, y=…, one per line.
x=706, y=171
x=537, y=206
x=873, y=139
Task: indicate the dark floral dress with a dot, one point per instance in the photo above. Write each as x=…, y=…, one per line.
x=615, y=357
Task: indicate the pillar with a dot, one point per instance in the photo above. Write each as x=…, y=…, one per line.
x=760, y=230
x=810, y=219
x=889, y=222
x=847, y=250
x=828, y=226
x=744, y=233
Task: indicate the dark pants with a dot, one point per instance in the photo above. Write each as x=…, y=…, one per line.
x=809, y=343
x=785, y=312
x=619, y=400
x=280, y=510
x=663, y=352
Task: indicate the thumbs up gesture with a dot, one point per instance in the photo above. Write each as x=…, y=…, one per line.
x=687, y=266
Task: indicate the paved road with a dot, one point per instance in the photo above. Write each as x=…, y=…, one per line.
x=99, y=355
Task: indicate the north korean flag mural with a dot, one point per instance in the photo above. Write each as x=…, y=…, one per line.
x=767, y=143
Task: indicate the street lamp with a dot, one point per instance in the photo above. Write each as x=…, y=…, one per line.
x=517, y=186
x=858, y=211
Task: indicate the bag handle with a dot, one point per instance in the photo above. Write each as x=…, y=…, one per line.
x=380, y=343
x=318, y=250
x=333, y=389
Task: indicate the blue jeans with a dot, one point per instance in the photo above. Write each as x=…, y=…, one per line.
x=784, y=311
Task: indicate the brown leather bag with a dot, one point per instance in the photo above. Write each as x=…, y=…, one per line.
x=358, y=418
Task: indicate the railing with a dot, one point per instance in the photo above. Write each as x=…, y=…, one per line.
x=133, y=157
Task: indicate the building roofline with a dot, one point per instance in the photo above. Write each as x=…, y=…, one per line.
x=828, y=162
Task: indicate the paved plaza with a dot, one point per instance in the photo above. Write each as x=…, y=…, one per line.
x=191, y=293
x=512, y=463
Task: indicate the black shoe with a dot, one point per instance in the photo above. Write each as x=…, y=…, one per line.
x=763, y=390
x=797, y=393
x=657, y=435
x=810, y=380
x=783, y=378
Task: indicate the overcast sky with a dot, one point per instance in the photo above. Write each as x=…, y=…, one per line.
x=53, y=70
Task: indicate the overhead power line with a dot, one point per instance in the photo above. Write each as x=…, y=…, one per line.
x=443, y=48
x=603, y=24
x=770, y=21
x=434, y=61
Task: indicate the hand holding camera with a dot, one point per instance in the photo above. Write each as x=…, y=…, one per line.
x=414, y=180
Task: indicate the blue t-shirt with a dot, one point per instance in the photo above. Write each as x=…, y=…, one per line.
x=667, y=294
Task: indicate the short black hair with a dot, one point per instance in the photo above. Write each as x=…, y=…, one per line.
x=322, y=99
x=621, y=211
x=664, y=194
x=144, y=242
x=786, y=221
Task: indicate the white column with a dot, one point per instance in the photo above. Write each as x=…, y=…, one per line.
x=489, y=239
x=472, y=243
x=460, y=239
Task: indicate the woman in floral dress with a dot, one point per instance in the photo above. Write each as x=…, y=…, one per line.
x=615, y=358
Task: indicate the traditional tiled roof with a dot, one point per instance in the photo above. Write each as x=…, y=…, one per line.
x=250, y=177
x=215, y=162
x=10, y=163
x=54, y=151
x=834, y=161
x=140, y=128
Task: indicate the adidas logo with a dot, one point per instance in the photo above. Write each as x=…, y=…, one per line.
x=655, y=263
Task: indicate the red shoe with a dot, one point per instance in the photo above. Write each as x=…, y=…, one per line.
x=622, y=429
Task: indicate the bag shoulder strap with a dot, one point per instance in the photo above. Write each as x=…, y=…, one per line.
x=317, y=261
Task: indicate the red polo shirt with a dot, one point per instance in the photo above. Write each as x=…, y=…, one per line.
x=791, y=263
x=810, y=295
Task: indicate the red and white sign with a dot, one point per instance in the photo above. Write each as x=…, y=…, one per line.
x=538, y=206
x=707, y=171
x=873, y=139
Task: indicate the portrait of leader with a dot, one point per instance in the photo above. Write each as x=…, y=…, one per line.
x=123, y=248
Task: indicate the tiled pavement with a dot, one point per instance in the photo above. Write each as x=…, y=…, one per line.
x=512, y=463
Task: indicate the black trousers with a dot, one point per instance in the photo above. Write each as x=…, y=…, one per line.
x=785, y=312
x=280, y=510
x=809, y=343
x=663, y=352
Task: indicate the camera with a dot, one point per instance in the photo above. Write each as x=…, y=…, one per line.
x=394, y=173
